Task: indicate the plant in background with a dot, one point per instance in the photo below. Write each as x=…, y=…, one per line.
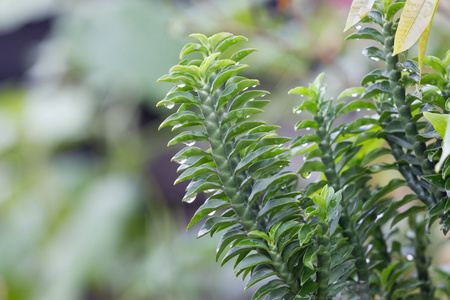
x=338, y=236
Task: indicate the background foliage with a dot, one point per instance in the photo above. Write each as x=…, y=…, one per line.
x=86, y=205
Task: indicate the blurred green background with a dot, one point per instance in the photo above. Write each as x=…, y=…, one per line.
x=88, y=209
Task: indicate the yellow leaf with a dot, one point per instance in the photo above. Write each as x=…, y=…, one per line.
x=423, y=40
x=358, y=10
x=415, y=18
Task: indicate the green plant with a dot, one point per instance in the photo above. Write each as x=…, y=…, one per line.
x=335, y=237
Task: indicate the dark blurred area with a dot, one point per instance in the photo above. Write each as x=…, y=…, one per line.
x=88, y=209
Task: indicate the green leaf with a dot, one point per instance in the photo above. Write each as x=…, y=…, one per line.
x=191, y=48
x=188, y=152
x=195, y=172
x=230, y=236
x=188, y=137
x=351, y=92
x=310, y=257
x=378, y=87
x=374, y=53
x=238, y=56
x=201, y=38
x=305, y=124
x=245, y=97
x=186, y=116
x=367, y=34
x=416, y=16
x=439, y=122
x=358, y=10
x=375, y=154
x=205, y=209
x=226, y=74
x=241, y=128
x=258, y=154
x=393, y=9
x=229, y=42
x=445, y=147
x=264, y=184
x=340, y=255
x=409, y=212
x=238, y=114
x=258, y=276
x=218, y=38
x=267, y=288
x=302, y=91
x=356, y=105
x=276, y=203
x=312, y=166
x=373, y=76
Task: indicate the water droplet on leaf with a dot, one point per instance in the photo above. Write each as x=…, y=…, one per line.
x=181, y=85
x=190, y=199
x=357, y=26
x=212, y=213
x=169, y=105
x=304, y=144
x=189, y=144
x=306, y=175
x=374, y=58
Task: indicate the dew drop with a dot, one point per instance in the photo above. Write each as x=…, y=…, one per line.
x=379, y=216
x=374, y=58
x=358, y=26
x=263, y=96
x=304, y=144
x=181, y=85
x=247, y=116
x=354, y=95
x=182, y=161
x=210, y=191
x=189, y=144
x=367, y=260
x=254, y=86
x=358, y=109
x=308, y=128
x=169, y=105
x=237, y=63
x=368, y=109
x=245, y=89
x=304, y=158
x=306, y=175
x=190, y=199
x=409, y=257
x=298, y=112
x=212, y=213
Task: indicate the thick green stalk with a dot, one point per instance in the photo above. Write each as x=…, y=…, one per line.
x=282, y=269
x=323, y=264
x=422, y=262
x=345, y=221
x=232, y=183
x=404, y=110
x=220, y=156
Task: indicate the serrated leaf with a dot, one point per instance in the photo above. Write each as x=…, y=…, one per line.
x=358, y=10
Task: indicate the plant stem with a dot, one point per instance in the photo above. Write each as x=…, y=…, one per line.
x=404, y=110
x=231, y=183
x=323, y=264
x=344, y=221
